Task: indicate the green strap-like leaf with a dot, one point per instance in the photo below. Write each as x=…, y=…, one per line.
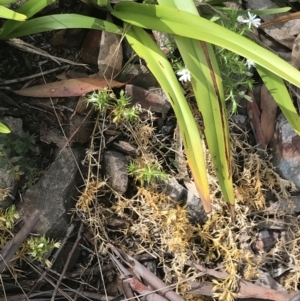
x=4, y=129
x=181, y=23
x=200, y=59
x=158, y=64
x=9, y=14
x=277, y=88
x=63, y=21
x=29, y=8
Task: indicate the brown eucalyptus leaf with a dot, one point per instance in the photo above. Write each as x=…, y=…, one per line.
x=69, y=87
x=254, y=119
x=268, y=108
x=295, y=61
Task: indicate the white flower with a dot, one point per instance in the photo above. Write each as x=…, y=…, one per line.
x=249, y=64
x=185, y=75
x=251, y=20
x=240, y=19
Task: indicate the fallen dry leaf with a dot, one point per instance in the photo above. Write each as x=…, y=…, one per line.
x=268, y=108
x=69, y=87
x=254, y=119
x=295, y=61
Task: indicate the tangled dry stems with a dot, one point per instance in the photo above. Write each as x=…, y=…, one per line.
x=158, y=225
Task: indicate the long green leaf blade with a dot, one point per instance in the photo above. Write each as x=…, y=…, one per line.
x=30, y=8
x=199, y=58
x=4, y=129
x=156, y=61
x=7, y=13
x=181, y=23
x=277, y=88
x=63, y=21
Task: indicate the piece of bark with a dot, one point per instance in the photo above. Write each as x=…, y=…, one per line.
x=254, y=119
x=268, y=115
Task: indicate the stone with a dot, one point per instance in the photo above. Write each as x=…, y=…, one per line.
x=140, y=76
x=54, y=195
x=148, y=100
x=115, y=169
x=165, y=41
x=125, y=148
x=8, y=183
x=110, y=56
x=194, y=206
x=286, y=151
x=67, y=38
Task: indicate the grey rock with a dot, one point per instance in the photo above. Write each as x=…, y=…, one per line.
x=296, y=202
x=125, y=148
x=165, y=41
x=8, y=183
x=14, y=124
x=286, y=151
x=140, y=76
x=115, y=168
x=241, y=121
x=150, y=100
x=194, y=206
x=54, y=195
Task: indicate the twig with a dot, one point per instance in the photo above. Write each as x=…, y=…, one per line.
x=69, y=231
x=246, y=289
x=25, y=78
x=13, y=245
x=67, y=262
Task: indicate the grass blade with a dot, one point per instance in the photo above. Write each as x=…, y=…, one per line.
x=64, y=21
x=156, y=61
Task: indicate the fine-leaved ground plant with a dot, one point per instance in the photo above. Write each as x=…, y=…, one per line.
x=146, y=173
x=37, y=248
x=180, y=19
x=15, y=152
x=119, y=108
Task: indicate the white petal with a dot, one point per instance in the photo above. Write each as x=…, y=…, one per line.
x=240, y=19
x=184, y=74
x=249, y=64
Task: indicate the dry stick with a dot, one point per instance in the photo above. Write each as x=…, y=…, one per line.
x=25, y=78
x=247, y=289
x=130, y=283
x=13, y=245
x=64, y=134
x=67, y=262
x=20, y=44
x=285, y=18
x=62, y=292
x=153, y=280
x=69, y=231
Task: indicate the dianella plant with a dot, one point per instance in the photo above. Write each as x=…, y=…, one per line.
x=195, y=37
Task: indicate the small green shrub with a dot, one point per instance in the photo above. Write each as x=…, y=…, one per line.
x=15, y=152
x=105, y=101
x=146, y=173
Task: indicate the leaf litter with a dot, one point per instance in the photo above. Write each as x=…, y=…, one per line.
x=159, y=226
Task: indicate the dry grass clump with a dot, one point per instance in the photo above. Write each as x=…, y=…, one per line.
x=157, y=225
